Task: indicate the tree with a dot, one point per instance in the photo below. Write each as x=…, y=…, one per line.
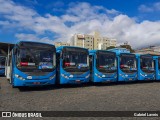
x=128, y=47
x=110, y=47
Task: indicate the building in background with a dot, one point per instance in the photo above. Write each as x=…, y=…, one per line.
x=91, y=42
x=57, y=44
x=153, y=50
x=81, y=40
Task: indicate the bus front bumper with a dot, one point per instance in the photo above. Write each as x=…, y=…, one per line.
x=74, y=80
x=105, y=79
x=127, y=79
x=33, y=82
x=146, y=77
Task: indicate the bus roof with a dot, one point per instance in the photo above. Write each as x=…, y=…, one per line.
x=119, y=50
x=33, y=42
x=94, y=51
x=138, y=55
x=61, y=47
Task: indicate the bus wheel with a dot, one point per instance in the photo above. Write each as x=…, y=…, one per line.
x=13, y=86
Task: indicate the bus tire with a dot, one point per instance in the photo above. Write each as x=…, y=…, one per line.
x=12, y=83
x=13, y=86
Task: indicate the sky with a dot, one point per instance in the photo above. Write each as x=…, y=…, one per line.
x=134, y=21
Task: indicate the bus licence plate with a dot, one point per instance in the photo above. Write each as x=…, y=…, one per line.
x=78, y=81
x=106, y=81
x=36, y=83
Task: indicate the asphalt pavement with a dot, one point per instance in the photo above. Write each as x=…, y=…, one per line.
x=101, y=97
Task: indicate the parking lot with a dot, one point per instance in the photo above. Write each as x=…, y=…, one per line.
x=108, y=97
x=112, y=97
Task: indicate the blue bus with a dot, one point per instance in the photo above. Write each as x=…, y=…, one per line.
x=32, y=64
x=146, y=70
x=157, y=67
x=126, y=62
x=103, y=66
x=2, y=65
x=72, y=65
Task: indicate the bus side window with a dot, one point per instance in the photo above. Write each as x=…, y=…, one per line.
x=58, y=59
x=154, y=64
x=18, y=59
x=141, y=63
x=158, y=63
x=90, y=62
x=137, y=63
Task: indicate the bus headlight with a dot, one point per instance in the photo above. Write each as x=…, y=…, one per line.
x=98, y=75
x=136, y=76
x=126, y=76
x=153, y=76
x=71, y=76
x=29, y=77
x=103, y=75
x=87, y=76
x=123, y=76
x=142, y=74
x=19, y=77
x=115, y=76
x=64, y=76
x=52, y=77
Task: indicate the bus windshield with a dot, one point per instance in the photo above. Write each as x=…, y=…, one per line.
x=35, y=58
x=2, y=62
x=75, y=61
x=147, y=64
x=128, y=63
x=106, y=62
x=159, y=63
